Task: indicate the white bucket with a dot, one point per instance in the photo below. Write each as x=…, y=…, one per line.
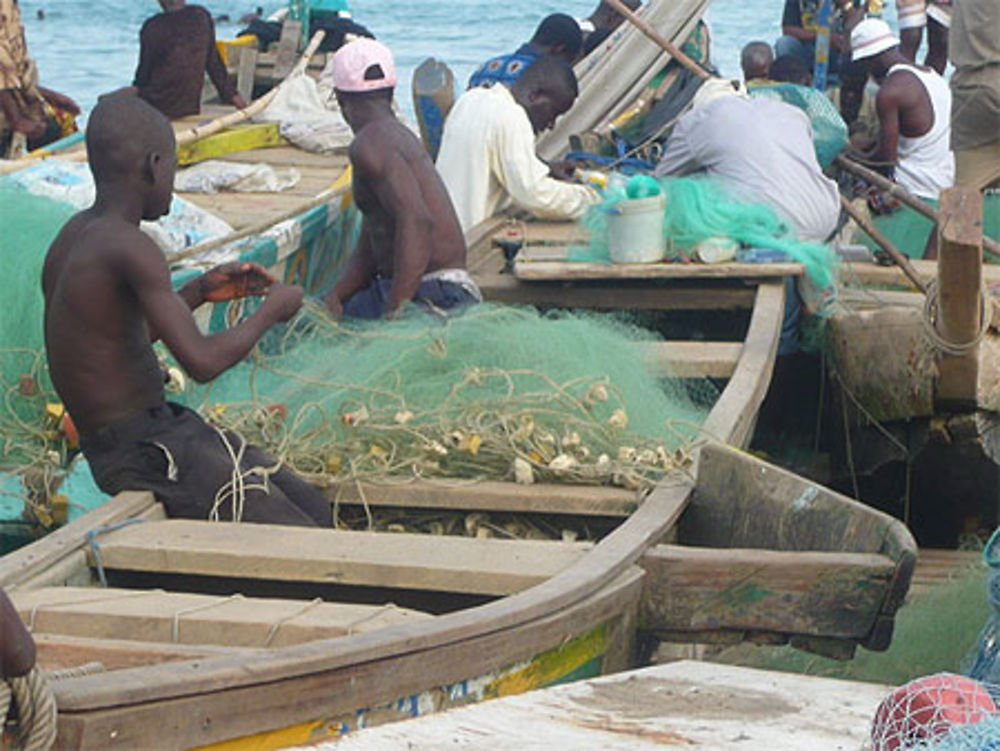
x=635, y=230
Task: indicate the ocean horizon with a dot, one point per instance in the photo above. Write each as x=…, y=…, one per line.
x=84, y=49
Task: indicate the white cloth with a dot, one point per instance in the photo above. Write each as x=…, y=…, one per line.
x=488, y=159
x=926, y=165
x=307, y=119
x=762, y=150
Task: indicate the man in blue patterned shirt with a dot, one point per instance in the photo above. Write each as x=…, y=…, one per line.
x=557, y=34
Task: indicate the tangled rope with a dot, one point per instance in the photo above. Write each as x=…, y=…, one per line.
x=36, y=710
x=931, y=312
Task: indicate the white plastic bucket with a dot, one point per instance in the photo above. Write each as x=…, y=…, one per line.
x=635, y=230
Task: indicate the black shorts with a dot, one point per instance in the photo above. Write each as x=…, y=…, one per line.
x=171, y=451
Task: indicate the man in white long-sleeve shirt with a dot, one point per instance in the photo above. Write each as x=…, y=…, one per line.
x=487, y=158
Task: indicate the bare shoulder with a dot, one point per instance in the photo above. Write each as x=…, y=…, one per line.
x=380, y=143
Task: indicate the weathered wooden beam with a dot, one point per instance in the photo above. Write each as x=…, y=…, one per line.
x=682, y=359
x=960, y=233
x=790, y=592
x=540, y=498
x=270, y=552
x=505, y=288
x=183, y=618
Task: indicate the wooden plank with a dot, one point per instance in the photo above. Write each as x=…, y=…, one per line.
x=683, y=359
x=541, y=498
x=288, y=48
x=262, y=551
x=180, y=618
x=735, y=413
x=828, y=594
x=33, y=559
x=872, y=274
x=228, y=142
x=321, y=700
x=246, y=70
x=687, y=704
x=56, y=652
x=505, y=288
x=567, y=271
x=540, y=232
x=960, y=233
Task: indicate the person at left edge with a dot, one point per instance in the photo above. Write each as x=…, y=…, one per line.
x=41, y=115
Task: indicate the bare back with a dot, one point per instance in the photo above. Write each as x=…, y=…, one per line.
x=396, y=182
x=99, y=352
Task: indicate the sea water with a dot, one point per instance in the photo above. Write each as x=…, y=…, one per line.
x=85, y=48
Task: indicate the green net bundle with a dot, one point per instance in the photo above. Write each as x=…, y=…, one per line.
x=495, y=393
x=29, y=225
x=829, y=131
x=699, y=208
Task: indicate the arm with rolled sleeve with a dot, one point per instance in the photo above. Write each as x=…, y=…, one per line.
x=526, y=178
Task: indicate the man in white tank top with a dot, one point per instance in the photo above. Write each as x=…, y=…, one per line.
x=914, y=111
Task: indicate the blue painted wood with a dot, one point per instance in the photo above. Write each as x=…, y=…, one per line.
x=821, y=69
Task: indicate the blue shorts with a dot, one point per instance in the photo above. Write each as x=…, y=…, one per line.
x=371, y=302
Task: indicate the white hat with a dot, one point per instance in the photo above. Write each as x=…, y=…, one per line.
x=716, y=88
x=870, y=37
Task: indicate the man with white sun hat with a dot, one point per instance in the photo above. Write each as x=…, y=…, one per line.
x=914, y=110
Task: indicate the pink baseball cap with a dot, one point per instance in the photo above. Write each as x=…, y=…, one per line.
x=363, y=65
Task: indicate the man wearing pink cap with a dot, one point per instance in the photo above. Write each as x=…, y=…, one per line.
x=411, y=246
x=914, y=111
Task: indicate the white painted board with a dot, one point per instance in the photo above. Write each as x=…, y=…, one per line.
x=690, y=705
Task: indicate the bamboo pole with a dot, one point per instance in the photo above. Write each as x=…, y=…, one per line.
x=668, y=46
x=898, y=191
x=199, y=131
x=883, y=242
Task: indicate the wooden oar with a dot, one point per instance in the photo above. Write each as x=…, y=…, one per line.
x=898, y=191
x=885, y=243
x=199, y=131
x=668, y=46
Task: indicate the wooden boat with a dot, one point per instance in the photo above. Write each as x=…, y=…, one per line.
x=194, y=644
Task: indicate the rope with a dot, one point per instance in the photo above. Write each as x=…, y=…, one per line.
x=175, y=631
x=36, y=710
x=237, y=487
x=930, y=318
x=276, y=627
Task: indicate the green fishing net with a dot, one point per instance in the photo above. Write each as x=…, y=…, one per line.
x=829, y=131
x=494, y=393
x=699, y=208
x=28, y=225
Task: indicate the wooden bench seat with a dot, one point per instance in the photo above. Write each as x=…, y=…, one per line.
x=182, y=618
x=409, y=561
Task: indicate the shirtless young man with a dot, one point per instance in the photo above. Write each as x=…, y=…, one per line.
x=108, y=294
x=411, y=246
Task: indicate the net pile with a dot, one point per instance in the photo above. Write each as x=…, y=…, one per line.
x=699, y=208
x=829, y=131
x=496, y=393
x=29, y=224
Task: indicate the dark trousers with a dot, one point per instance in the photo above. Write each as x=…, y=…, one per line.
x=372, y=300
x=185, y=462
